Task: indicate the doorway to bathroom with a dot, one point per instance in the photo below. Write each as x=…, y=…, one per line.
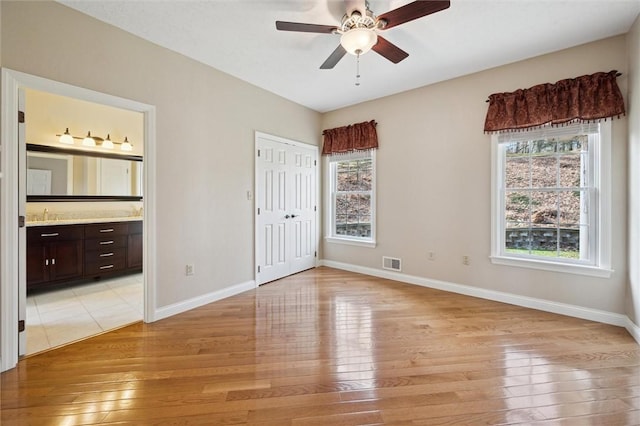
x=82, y=178
x=13, y=211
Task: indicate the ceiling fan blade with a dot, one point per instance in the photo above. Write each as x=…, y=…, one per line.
x=334, y=58
x=305, y=28
x=411, y=11
x=389, y=50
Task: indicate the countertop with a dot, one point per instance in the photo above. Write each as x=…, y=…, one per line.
x=83, y=220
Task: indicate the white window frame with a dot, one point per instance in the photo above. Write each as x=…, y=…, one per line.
x=600, y=195
x=330, y=227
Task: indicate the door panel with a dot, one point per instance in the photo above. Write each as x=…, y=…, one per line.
x=37, y=269
x=304, y=199
x=286, y=208
x=67, y=258
x=271, y=201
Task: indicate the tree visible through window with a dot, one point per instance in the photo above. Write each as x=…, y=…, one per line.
x=546, y=197
x=352, y=186
x=552, y=198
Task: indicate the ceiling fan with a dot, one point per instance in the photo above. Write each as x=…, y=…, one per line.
x=359, y=28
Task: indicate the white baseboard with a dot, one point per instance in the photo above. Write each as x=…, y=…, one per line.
x=186, y=305
x=633, y=330
x=498, y=296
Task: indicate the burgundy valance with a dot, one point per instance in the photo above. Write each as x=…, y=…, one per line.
x=355, y=137
x=586, y=98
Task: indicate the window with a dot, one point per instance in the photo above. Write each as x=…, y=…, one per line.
x=551, y=198
x=352, y=198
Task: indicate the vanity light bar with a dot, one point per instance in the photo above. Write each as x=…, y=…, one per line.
x=68, y=139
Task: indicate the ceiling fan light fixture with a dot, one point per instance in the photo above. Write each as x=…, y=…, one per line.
x=358, y=41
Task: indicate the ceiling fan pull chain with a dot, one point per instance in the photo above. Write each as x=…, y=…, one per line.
x=358, y=68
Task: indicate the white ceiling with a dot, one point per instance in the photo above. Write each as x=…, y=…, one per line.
x=239, y=37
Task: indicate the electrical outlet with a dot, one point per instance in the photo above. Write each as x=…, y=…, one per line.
x=432, y=255
x=466, y=260
x=190, y=269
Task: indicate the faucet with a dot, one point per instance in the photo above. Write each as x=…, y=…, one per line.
x=45, y=215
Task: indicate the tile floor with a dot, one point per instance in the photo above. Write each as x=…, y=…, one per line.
x=68, y=314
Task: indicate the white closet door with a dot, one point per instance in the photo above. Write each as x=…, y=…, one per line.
x=303, y=206
x=286, y=207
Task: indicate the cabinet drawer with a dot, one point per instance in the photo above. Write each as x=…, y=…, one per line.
x=106, y=243
x=106, y=255
x=54, y=233
x=106, y=266
x=101, y=230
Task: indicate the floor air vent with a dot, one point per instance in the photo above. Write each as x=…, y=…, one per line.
x=391, y=263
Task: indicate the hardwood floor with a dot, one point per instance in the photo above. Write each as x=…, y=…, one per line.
x=328, y=347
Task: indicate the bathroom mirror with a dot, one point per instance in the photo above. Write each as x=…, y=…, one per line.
x=59, y=174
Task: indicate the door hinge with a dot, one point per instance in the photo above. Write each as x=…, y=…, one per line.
x=21, y=222
x=21, y=326
x=258, y=269
x=315, y=254
x=315, y=163
x=20, y=116
x=258, y=210
x=315, y=208
x=258, y=153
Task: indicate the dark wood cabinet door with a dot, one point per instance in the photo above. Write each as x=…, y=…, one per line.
x=67, y=260
x=134, y=251
x=37, y=267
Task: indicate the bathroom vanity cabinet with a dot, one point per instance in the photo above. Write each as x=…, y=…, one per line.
x=77, y=252
x=54, y=254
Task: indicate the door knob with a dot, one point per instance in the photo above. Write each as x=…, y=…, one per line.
x=294, y=215
x=287, y=217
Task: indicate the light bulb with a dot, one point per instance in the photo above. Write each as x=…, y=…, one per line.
x=358, y=41
x=126, y=146
x=66, y=138
x=107, y=142
x=88, y=140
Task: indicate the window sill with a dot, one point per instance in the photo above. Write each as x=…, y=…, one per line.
x=592, y=271
x=351, y=242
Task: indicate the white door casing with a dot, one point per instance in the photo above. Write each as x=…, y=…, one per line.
x=12, y=261
x=286, y=210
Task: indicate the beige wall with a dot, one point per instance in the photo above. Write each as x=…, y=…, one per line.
x=205, y=132
x=633, y=112
x=434, y=181
x=50, y=114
